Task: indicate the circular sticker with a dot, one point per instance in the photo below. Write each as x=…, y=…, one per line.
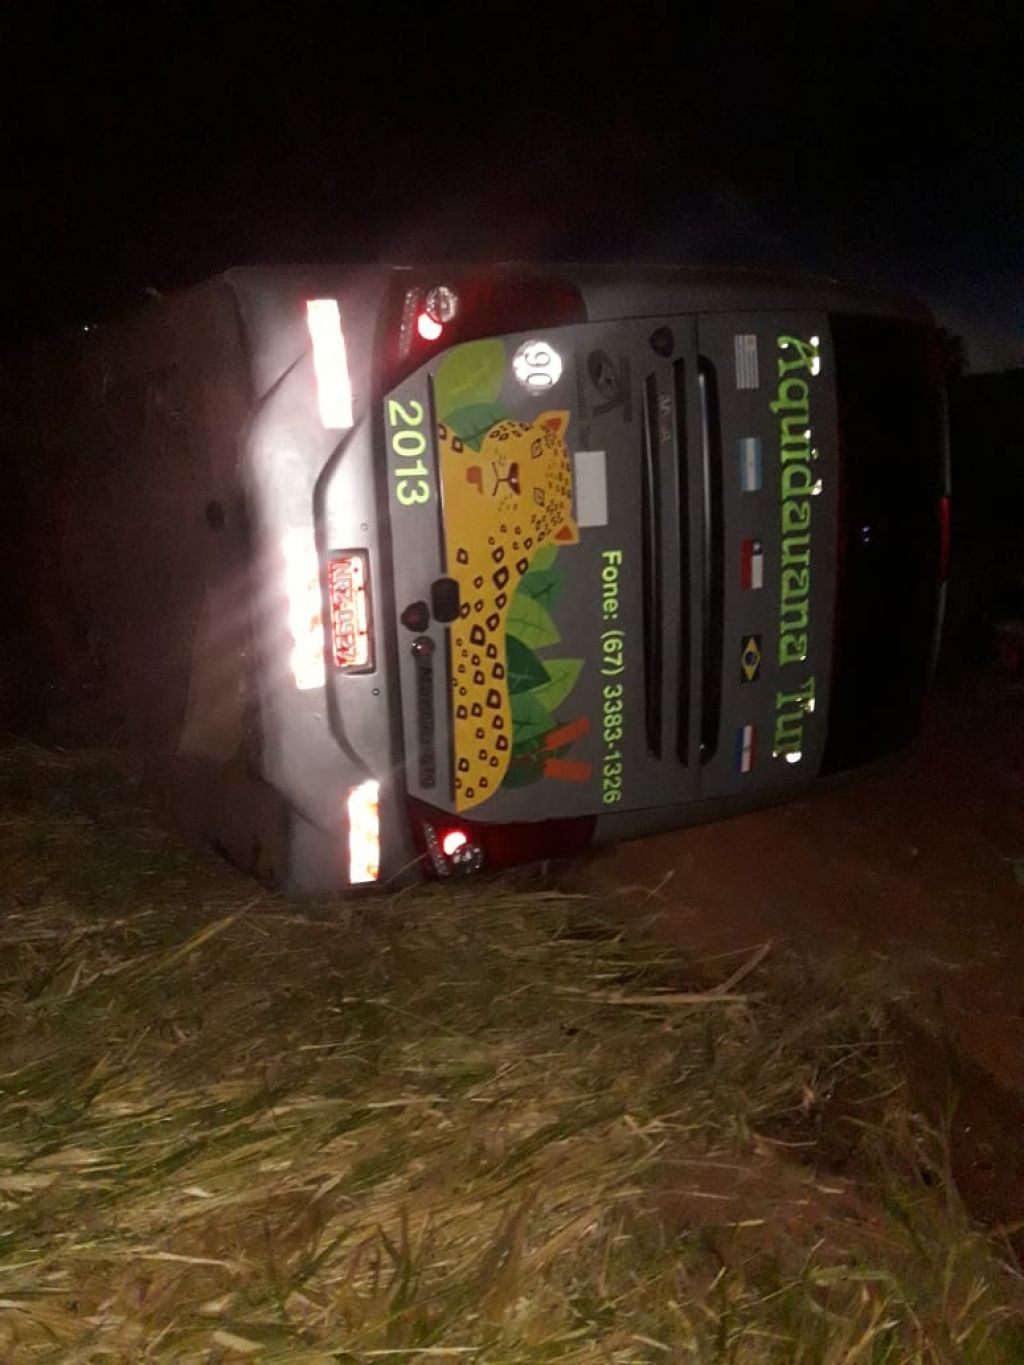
x=537, y=366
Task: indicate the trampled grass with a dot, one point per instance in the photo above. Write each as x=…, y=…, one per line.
x=470, y=1123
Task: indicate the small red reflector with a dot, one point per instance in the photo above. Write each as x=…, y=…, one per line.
x=350, y=611
x=428, y=329
x=453, y=841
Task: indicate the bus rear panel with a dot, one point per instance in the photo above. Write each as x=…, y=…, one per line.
x=528, y=559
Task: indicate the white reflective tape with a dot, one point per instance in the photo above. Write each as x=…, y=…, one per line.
x=364, y=833
x=330, y=364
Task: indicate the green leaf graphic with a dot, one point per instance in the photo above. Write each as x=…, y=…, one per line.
x=562, y=674
x=543, y=585
x=530, y=717
x=521, y=772
x=544, y=558
x=529, y=622
x=471, y=424
x=469, y=375
x=531, y=748
x=525, y=670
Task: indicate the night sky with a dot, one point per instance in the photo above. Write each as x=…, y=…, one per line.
x=153, y=152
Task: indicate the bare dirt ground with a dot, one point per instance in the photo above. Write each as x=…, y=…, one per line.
x=915, y=865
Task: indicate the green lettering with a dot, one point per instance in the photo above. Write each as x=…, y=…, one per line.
x=792, y=648
x=803, y=697
x=793, y=395
x=806, y=356
x=798, y=360
x=796, y=480
x=796, y=583
x=793, y=431
x=796, y=550
x=788, y=453
x=789, y=732
x=796, y=516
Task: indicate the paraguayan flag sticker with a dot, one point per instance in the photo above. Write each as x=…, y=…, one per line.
x=745, y=748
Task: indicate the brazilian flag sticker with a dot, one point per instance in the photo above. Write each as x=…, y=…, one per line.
x=750, y=658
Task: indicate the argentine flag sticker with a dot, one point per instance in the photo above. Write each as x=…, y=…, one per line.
x=750, y=464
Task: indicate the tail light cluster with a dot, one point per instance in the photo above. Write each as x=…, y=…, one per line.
x=433, y=316
x=451, y=849
x=450, y=844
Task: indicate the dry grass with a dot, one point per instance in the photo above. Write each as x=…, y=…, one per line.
x=475, y=1124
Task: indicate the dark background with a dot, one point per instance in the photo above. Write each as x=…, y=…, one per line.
x=879, y=142
x=152, y=147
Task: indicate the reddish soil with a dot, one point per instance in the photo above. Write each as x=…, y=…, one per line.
x=914, y=863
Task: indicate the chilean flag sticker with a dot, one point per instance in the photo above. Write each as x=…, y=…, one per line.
x=745, y=748
x=751, y=564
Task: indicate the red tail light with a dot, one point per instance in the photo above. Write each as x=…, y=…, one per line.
x=494, y=846
x=488, y=305
x=453, y=841
x=452, y=851
x=428, y=329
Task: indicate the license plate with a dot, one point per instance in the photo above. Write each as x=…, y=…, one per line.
x=348, y=588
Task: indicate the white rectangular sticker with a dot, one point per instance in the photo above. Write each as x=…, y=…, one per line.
x=591, y=482
x=745, y=348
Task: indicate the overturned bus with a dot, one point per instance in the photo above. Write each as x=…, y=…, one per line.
x=396, y=572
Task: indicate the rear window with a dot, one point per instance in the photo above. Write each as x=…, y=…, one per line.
x=891, y=445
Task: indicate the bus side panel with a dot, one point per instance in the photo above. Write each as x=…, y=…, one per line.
x=138, y=579
x=132, y=449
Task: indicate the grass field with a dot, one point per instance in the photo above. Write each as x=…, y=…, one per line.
x=472, y=1123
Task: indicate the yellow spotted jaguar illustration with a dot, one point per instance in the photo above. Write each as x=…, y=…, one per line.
x=501, y=504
